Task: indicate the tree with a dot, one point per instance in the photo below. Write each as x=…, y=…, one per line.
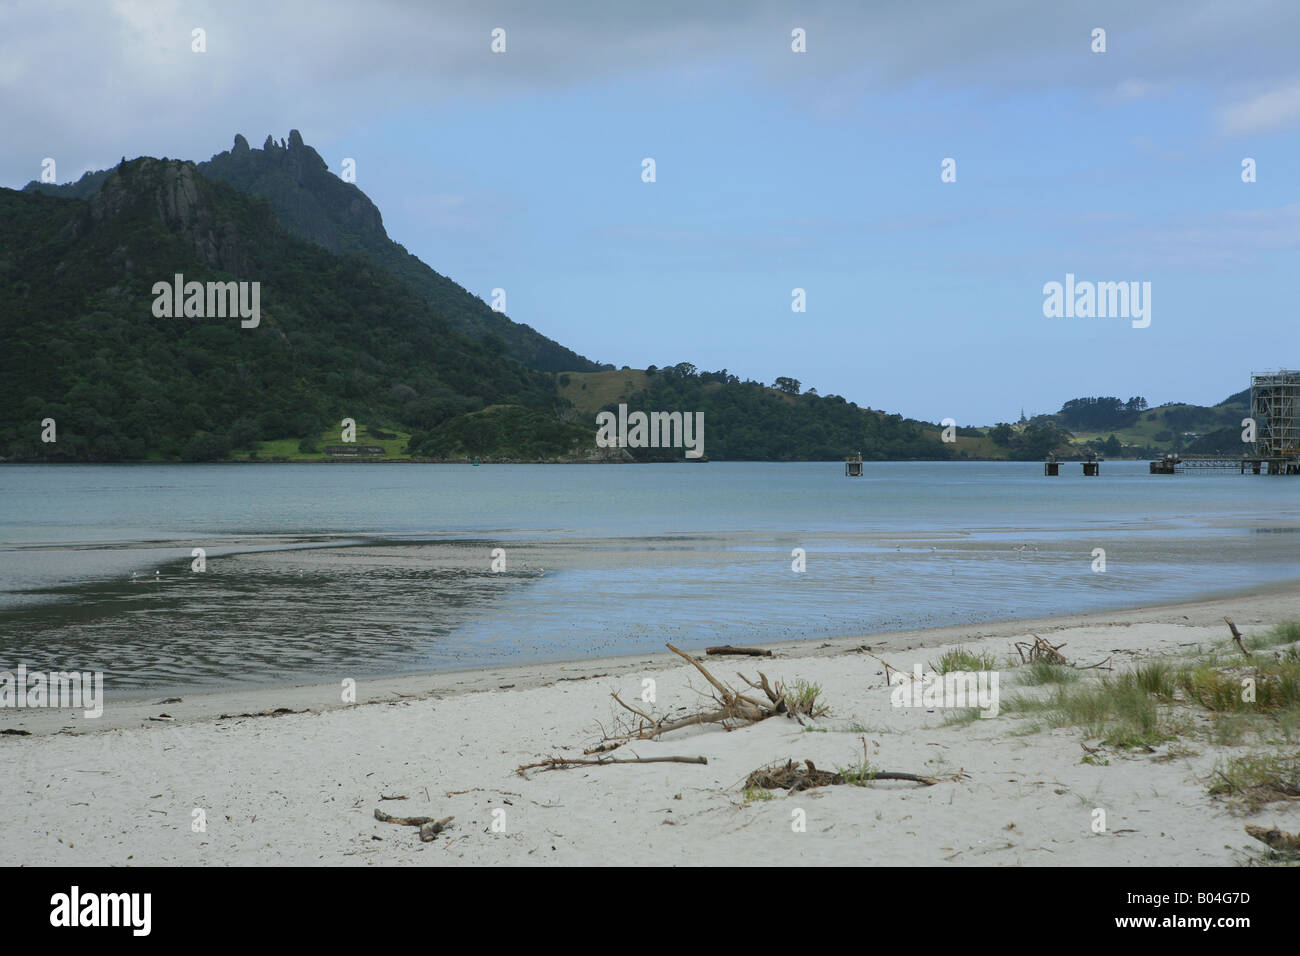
x=1039, y=438
x=1001, y=434
x=788, y=385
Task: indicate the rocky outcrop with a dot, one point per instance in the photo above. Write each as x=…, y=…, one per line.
x=174, y=193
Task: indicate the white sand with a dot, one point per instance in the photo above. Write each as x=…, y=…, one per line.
x=302, y=788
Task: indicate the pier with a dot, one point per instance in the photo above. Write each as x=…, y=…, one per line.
x=1210, y=464
x=853, y=466
x=1275, y=421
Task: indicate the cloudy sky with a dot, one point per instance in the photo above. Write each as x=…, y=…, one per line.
x=775, y=170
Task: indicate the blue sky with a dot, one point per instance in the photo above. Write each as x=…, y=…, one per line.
x=775, y=170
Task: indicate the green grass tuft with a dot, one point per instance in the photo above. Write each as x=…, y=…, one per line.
x=1257, y=779
x=960, y=659
x=1041, y=672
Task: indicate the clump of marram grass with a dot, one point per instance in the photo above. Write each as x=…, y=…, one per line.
x=1287, y=632
x=1042, y=671
x=1257, y=779
x=1150, y=704
x=758, y=793
x=1261, y=686
x=801, y=697
x=961, y=716
x=1120, y=710
x=1154, y=677
x=860, y=774
x=960, y=659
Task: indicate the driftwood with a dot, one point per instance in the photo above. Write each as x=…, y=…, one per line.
x=1236, y=636
x=728, y=649
x=430, y=827
x=565, y=763
x=732, y=709
x=1040, y=650
x=1276, y=839
x=278, y=712
x=797, y=775
x=383, y=817
x=793, y=775
x=428, y=831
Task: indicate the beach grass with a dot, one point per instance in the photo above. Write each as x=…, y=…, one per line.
x=961, y=659
x=859, y=774
x=1157, y=700
x=1041, y=672
x=961, y=717
x=801, y=696
x=1257, y=778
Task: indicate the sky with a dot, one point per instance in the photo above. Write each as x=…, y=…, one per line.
x=775, y=170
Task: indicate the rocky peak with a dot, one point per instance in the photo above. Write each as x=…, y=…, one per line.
x=173, y=192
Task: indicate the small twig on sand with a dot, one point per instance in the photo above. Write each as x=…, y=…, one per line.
x=1236, y=636
x=564, y=763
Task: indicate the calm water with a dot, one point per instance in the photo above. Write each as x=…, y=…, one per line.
x=315, y=572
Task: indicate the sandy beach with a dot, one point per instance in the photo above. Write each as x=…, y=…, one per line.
x=302, y=786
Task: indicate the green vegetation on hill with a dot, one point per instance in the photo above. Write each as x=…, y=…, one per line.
x=1151, y=432
x=313, y=204
x=353, y=326
x=1115, y=428
x=338, y=337
x=503, y=431
x=748, y=421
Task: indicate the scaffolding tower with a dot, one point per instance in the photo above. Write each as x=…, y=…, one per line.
x=1275, y=406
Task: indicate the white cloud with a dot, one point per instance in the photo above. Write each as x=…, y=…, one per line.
x=1275, y=109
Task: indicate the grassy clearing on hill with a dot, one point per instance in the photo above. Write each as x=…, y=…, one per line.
x=292, y=448
x=591, y=391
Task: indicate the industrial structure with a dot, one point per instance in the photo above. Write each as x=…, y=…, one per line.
x=1275, y=407
x=1275, y=421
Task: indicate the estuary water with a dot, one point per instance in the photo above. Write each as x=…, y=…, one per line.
x=322, y=571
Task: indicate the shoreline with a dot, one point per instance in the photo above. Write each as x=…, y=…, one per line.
x=303, y=787
x=136, y=709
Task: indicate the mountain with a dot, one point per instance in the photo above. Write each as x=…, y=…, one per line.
x=340, y=335
x=313, y=204
x=337, y=336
